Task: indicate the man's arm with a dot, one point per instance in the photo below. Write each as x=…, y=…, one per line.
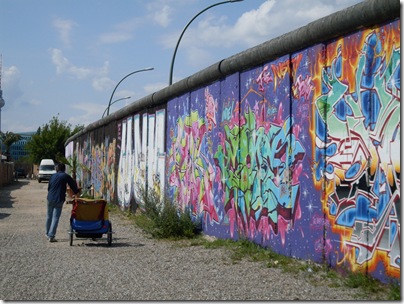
x=49, y=183
x=72, y=184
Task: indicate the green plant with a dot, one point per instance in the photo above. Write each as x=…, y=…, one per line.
x=72, y=162
x=151, y=204
x=256, y=253
x=8, y=139
x=370, y=285
x=163, y=219
x=395, y=292
x=358, y=279
x=247, y=249
x=49, y=140
x=112, y=207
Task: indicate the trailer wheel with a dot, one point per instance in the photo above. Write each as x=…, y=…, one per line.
x=109, y=234
x=71, y=236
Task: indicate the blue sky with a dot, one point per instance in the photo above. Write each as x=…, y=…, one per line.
x=64, y=57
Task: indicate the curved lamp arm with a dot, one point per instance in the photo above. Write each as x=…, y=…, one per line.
x=185, y=28
x=142, y=70
x=105, y=111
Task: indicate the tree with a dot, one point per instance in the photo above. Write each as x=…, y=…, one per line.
x=8, y=139
x=49, y=140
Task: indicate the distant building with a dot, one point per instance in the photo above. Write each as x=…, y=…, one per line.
x=17, y=149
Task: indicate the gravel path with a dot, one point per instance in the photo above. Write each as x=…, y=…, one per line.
x=134, y=268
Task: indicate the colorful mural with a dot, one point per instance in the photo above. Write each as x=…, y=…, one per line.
x=256, y=169
x=191, y=173
x=97, y=170
x=358, y=143
x=301, y=154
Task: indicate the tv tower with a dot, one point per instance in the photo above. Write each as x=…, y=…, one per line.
x=2, y=102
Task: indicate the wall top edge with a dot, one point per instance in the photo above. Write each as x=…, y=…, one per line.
x=361, y=15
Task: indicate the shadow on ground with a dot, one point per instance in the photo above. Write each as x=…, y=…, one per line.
x=116, y=242
x=6, y=200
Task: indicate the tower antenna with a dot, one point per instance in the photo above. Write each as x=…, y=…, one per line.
x=2, y=102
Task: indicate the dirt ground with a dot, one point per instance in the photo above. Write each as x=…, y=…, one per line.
x=134, y=268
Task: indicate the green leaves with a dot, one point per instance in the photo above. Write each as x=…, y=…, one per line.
x=8, y=139
x=49, y=140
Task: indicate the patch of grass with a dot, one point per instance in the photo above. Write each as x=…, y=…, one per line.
x=246, y=249
x=144, y=222
x=164, y=220
x=256, y=253
x=356, y=280
x=394, y=292
x=370, y=285
x=112, y=207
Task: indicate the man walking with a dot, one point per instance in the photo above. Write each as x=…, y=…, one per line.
x=56, y=198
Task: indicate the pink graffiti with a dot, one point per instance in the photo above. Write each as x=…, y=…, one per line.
x=263, y=78
x=231, y=213
x=318, y=222
x=191, y=173
x=278, y=118
x=304, y=87
x=261, y=119
x=265, y=228
x=282, y=228
x=211, y=109
x=207, y=198
x=319, y=246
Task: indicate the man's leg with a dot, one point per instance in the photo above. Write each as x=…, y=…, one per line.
x=57, y=211
x=49, y=215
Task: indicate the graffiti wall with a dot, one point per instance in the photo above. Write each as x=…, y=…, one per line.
x=357, y=135
x=141, y=157
x=300, y=154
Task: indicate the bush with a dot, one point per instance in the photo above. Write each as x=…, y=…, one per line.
x=165, y=220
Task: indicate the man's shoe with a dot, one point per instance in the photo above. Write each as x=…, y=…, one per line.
x=52, y=240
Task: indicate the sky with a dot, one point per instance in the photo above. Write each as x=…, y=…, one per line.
x=63, y=58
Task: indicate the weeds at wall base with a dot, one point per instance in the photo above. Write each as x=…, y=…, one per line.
x=167, y=222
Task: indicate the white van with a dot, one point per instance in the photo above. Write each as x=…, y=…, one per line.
x=47, y=167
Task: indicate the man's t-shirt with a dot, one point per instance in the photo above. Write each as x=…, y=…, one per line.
x=57, y=187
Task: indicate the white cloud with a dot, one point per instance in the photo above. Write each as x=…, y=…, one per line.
x=63, y=66
x=35, y=102
x=162, y=11
x=162, y=16
x=11, y=83
x=64, y=26
x=102, y=84
x=86, y=113
x=123, y=31
x=252, y=26
x=11, y=77
x=211, y=31
x=255, y=26
x=115, y=37
x=59, y=61
x=100, y=81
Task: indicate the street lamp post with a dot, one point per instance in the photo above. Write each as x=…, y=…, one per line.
x=185, y=28
x=105, y=111
x=110, y=100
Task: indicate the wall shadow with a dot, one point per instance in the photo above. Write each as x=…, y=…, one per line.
x=6, y=200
